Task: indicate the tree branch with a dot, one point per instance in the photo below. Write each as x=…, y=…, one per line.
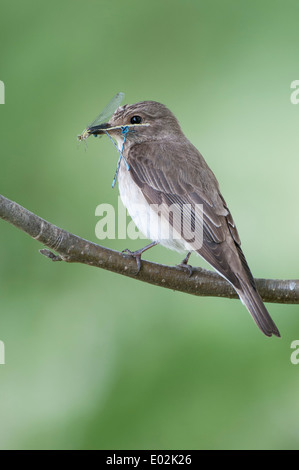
x=73, y=249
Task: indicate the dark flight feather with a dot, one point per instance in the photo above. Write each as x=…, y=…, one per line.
x=161, y=182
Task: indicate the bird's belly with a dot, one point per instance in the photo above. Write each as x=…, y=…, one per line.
x=154, y=226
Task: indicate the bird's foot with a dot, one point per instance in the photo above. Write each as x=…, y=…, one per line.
x=137, y=254
x=184, y=265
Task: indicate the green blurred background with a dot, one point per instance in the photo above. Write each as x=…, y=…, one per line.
x=95, y=360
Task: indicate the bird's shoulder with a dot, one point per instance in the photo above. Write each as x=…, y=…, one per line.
x=177, y=167
x=175, y=171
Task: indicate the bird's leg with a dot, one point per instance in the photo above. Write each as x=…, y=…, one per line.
x=137, y=254
x=184, y=264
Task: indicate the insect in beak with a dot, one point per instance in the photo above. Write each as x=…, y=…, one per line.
x=97, y=126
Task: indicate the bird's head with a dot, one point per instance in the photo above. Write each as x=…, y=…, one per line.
x=146, y=121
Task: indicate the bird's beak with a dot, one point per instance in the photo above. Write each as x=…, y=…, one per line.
x=99, y=130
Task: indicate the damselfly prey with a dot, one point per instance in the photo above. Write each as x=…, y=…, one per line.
x=104, y=116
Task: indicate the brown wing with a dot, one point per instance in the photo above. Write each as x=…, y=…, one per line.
x=177, y=174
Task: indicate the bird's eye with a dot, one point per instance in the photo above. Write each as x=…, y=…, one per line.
x=136, y=120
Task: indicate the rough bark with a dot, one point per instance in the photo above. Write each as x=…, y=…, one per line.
x=73, y=249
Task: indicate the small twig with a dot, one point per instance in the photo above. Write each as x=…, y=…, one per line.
x=73, y=249
x=50, y=254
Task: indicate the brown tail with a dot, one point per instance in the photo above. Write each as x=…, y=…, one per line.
x=254, y=304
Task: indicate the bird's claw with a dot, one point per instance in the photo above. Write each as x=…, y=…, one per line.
x=186, y=266
x=137, y=254
x=134, y=254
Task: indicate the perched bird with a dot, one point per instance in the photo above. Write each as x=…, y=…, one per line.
x=159, y=168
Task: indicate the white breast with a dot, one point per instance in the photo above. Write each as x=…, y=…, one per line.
x=148, y=221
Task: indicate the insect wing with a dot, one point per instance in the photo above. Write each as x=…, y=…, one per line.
x=107, y=112
x=105, y=115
